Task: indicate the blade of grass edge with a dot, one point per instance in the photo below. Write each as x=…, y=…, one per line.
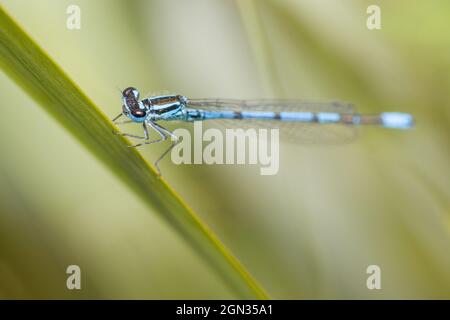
x=30, y=67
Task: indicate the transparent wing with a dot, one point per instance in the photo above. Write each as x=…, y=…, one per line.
x=296, y=132
x=271, y=105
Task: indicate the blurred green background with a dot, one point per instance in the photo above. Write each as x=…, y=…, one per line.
x=308, y=232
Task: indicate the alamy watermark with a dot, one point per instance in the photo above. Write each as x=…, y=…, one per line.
x=374, y=19
x=73, y=281
x=234, y=146
x=374, y=279
x=73, y=21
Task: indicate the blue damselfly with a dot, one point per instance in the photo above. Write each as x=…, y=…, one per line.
x=301, y=121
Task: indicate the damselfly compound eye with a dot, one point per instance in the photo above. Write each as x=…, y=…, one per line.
x=131, y=92
x=138, y=113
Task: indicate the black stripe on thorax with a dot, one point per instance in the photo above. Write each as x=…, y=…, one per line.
x=167, y=109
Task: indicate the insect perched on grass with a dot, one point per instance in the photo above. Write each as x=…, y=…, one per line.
x=299, y=120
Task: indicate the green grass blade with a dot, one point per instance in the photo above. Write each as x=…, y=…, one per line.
x=26, y=63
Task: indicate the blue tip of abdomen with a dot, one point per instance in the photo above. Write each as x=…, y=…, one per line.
x=397, y=120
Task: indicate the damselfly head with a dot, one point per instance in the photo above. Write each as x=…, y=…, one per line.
x=130, y=98
x=131, y=107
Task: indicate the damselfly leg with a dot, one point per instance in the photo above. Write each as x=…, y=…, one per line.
x=145, y=137
x=163, y=132
x=175, y=141
x=163, y=137
x=117, y=117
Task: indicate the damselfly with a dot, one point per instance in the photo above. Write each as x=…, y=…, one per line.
x=299, y=120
